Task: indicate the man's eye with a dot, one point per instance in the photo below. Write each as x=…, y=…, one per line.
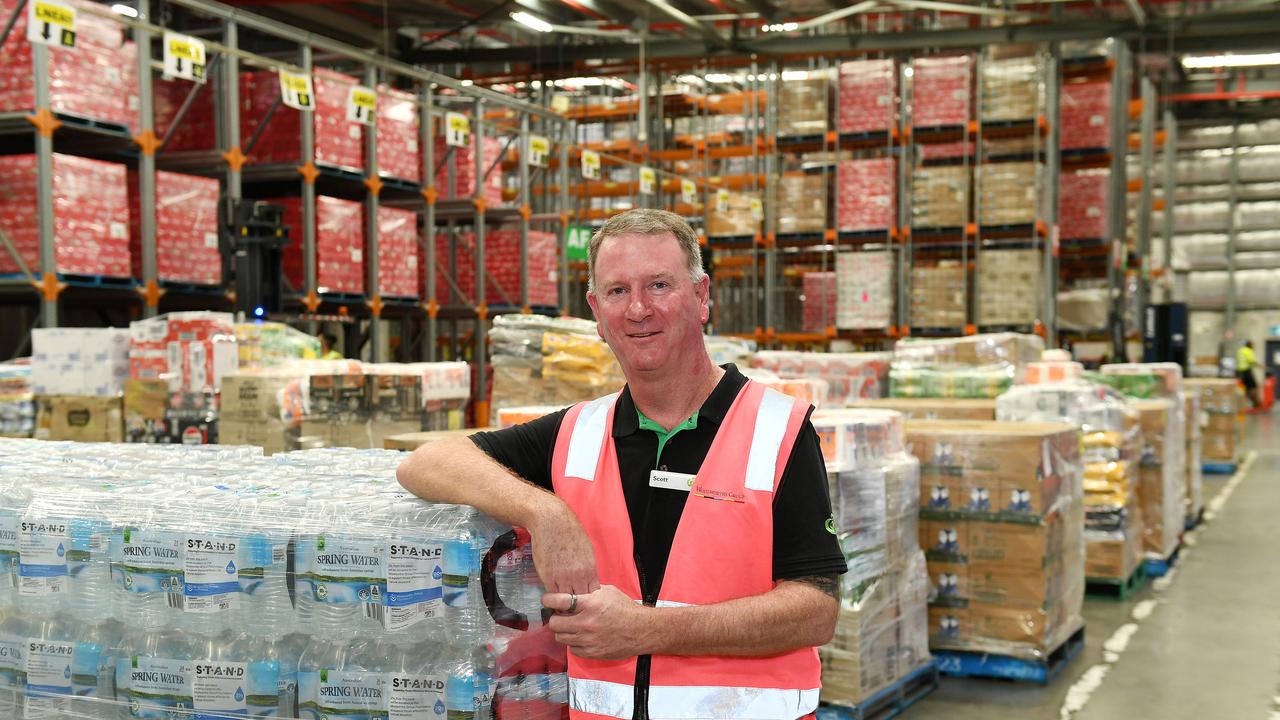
x=661, y=285
x=616, y=291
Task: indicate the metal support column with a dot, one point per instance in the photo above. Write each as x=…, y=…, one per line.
x=482, y=280
x=1052, y=195
x=231, y=113
x=567, y=132
x=146, y=163
x=1117, y=198
x=906, y=158
x=373, y=288
x=525, y=211
x=1233, y=197
x=307, y=136
x=44, y=192
x=1146, y=159
x=1170, y=184
x=426, y=120
x=771, y=203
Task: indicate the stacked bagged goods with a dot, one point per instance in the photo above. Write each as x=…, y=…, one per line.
x=17, y=402
x=819, y=304
x=1220, y=403
x=1010, y=286
x=1010, y=193
x=1195, y=455
x=398, y=252
x=90, y=216
x=802, y=107
x=271, y=344
x=977, y=366
x=187, y=248
x=882, y=632
x=339, y=142
x=936, y=408
x=397, y=138
x=737, y=220
x=1082, y=204
x=176, y=365
x=942, y=91
x=1052, y=371
x=1002, y=524
x=501, y=267
x=868, y=91
x=339, y=245
x=1113, y=528
x=802, y=203
x=1086, y=115
x=94, y=80
x=461, y=162
x=864, y=289
x=940, y=197
x=549, y=361
x=1012, y=88
x=865, y=196
x=77, y=376
x=938, y=295
x=849, y=376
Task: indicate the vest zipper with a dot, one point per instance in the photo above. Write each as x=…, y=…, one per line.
x=645, y=662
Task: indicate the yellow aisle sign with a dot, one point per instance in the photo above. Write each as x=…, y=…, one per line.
x=457, y=129
x=648, y=178
x=362, y=105
x=296, y=91
x=590, y=165
x=539, y=148
x=184, y=57
x=51, y=23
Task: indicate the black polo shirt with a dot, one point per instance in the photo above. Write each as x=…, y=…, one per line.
x=802, y=545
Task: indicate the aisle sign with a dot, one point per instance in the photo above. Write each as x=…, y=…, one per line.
x=648, y=178
x=539, y=148
x=457, y=129
x=757, y=209
x=362, y=105
x=590, y=164
x=688, y=191
x=722, y=200
x=51, y=23
x=184, y=57
x=296, y=91
x=576, y=240
x=560, y=103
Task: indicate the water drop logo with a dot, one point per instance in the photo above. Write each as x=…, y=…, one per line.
x=66, y=673
x=239, y=695
x=231, y=568
x=438, y=573
x=62, y=551
x=439, y=708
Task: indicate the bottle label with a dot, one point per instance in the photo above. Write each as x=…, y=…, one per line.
x=80, y=559
x=416, y=697
x=12, y=653
x=264, y=689
x=157, y=686
x=219, y=690
x=463, y=697
x=342, y=695
x=84, y=670
x=457, y=573
x=211, y=583
x=415, y=573
x=8, y=550
x=349, y=571
x=42, y=558
x=152, y=563
x=48, y=686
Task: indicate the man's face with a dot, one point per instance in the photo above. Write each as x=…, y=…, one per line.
x=646, y=306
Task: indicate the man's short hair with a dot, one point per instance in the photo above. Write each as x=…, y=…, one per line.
x=645, y=221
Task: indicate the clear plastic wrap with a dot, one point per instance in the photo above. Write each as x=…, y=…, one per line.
x=802, y=106
x=1010, y=193
x=737, y=220
x=865, y=197
x=1010, y=281
x=1013, y=88
x=942, y=89
x=1002, y=526
x=186, y=226
x=936, y=408
x=549, y=361
x=868, y=90
x=1194, y=501
x=848, y=376
x=802, y=203
x=940, y=196
x=864, y=289
x=1220, y=405
x=270, y=344
x=975, y=366
x=17, y=403
x=167, y=581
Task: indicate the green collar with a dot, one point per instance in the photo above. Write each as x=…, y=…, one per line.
x=690, y=423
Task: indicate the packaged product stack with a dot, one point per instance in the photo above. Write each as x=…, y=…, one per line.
x=940, y=197
x=802, y=203
x=976, y=366
x=579, y=367
x=339, y=142
x=271, y=344
x=882, y=633
x=819, y=305
x=508, y=417
x=1002, y=525
x=176, y=365
x=868, y=96
x=850, y=377
x=186, y=228
x=77, y=376
x=1010, y=286
x=90, y=215
x=942, y=90
x=198, y=127
x=1012, y=88
x=1195, y=456
x=802, y=107
x=397, y=138
x=1220, y=403
x=735, y=221
x=398, y=252
x=348, y=596
x=1086, y=115
x=939, y=295
x=1082, y=204
x=1010, y=193
x=462, y=162
x=339, y=245
x=936, y=408
x=549, y=361
x=864, y=289
x=865, y=198
x=807, y=390
x=944, y=151
x=94, y=80
x=501, y=267
x=1113, y=529
x=17, y=402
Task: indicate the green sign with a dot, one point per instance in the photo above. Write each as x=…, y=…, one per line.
x=576, y=240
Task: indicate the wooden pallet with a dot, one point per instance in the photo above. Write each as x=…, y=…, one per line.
x=889, y=702
x=1004, y=667
x=1117, y=588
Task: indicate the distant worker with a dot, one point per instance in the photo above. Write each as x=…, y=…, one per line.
x=327, y=341
x=1245, y=361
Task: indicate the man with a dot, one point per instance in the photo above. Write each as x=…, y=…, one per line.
x=1245, y=360
x=327, y=341
x=688, y=546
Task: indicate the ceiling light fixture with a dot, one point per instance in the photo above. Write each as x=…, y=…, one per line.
x=531, y=22
x=125, y=10
x=1198, y=62
x=779, y=27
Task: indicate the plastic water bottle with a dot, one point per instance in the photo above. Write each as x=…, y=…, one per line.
x=327, y=653
x=14, y=631
x=467, y=686
x=417, y=682
x=154, y=670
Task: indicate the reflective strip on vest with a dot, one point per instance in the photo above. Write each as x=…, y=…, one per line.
x=693, y=702
x=587, y=439
x=771, y=426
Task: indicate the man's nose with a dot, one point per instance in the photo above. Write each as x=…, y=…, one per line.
x=638, y=308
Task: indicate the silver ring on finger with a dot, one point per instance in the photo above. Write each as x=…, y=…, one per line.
x=573, y=603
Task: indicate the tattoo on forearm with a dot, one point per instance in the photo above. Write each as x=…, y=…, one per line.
x=828, y=584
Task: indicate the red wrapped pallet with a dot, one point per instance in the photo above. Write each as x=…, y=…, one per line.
x=186, y=228
x=819, y=301
x=397, y=137
x=339, y=142
x=1086, y=115
x=465, y=172
x=196, y=131
x=942, y=90
x=339, y=245
x=865, y=195
x=502, y=267
x=1082, y=204
x=93, y=80
x=90, y=215
x=398, y=252
x=868, y=90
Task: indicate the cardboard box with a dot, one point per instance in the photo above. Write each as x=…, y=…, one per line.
x=272, y=435
x=1011, y=625
x=145, y=403
x=1025, y=547
x=81, y=418
x=936, y=408
x=1012, y=587
x=341, y=434
x=945, y=541
x=952, y=583
x=252, y=396
x=949, y=626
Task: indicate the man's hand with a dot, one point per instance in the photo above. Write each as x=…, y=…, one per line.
x=606, y=625
x=562, y=552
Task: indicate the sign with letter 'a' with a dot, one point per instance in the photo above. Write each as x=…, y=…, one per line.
x=296, y=91
x=184, y=57
x=362, y=105
x=51, y=23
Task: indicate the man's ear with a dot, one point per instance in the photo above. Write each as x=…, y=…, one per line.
x=703, y=290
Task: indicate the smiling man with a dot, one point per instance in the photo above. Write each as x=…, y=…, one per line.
x=681, y=525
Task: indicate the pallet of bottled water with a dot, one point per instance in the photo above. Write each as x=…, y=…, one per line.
x=212, y=582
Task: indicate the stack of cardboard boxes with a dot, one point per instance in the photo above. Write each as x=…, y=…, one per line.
x=819, y=306
x=802, y=203
x=975, y=366
x=1086, y=115
x=868, y=96
x=938, y=295
x=940, y=196
x=802, y=107
x=546, y=361
x=864, y=289
x=1009, y=284
x=1082, y=204
x=1002, y=526
x=1012, y=88
x=187, y=249
x=882, y=631
x=339, y=244
x=1220, y=403
x=942, y=90
x=865, y=197
x=1010, y=193
x=1195, y=457
x=77, y=377
x=339, y=141
x=736, y=220
x=397, y=138
x=501, y=266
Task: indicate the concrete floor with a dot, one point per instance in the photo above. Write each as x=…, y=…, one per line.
x=1204, y=646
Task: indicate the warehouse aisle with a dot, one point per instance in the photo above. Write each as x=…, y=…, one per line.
x=1207, y=642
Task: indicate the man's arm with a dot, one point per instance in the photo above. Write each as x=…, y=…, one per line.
x=607, y=625
x=456, y=471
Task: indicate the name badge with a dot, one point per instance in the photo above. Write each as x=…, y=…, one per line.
x=670, y=480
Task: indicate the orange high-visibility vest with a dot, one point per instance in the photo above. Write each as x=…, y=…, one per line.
x=723, y=550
